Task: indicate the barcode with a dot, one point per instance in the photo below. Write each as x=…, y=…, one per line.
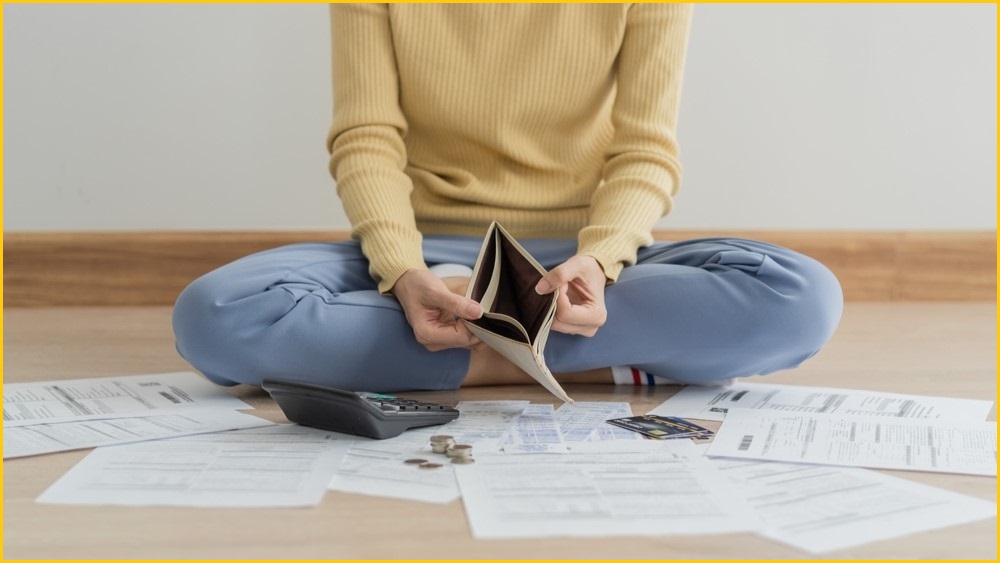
x=745, y=443
x=170, y=397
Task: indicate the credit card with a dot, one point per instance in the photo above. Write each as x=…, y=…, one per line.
x=662, y=427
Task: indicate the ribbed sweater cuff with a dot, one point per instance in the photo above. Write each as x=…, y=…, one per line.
x=391, y=253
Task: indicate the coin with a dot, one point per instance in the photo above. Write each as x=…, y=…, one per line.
x=441, y=442
x=429, y=465
x=415, y=461
x=460, y=450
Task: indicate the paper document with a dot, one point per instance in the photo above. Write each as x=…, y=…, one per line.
x=821, y=508
x=378, y=468
x=711, y=403
x=535, y=431
x=282, y=465
x=483, y=424
x=552, y=495
x=584, y=429
x=888, y=443
x=111, y=397
x=36, y=439
x=585, y=421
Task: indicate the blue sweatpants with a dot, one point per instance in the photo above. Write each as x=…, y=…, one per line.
x=691, y=311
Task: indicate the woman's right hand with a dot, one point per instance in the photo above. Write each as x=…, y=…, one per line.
x=435, y=312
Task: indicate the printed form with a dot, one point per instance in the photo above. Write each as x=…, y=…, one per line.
x=821, y=508
x=585, y=422
x=282, y=465
x=21, y=441
x=868, y=441
x=584, y=428
x=578, y=427
x=377, y=468
x=111, y=397
x=707, y=403
x=535, y=432
x=557, y=495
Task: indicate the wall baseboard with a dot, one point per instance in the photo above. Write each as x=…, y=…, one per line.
x=151, y=268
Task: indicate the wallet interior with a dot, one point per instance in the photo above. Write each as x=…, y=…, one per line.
x=515, y=295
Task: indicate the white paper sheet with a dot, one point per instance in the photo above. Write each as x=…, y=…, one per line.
x=37, y=439
x=535, y=432
x=553, y=495
x=111, y=397
x=859, y=441
x=711, y=403
x=483, y=424
x=377, y=468
x=283, y=465
x=585, y=422
x=822, y=508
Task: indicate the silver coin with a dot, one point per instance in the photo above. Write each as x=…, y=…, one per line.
x=460, y=450
x=441, y=448
x=441, y=438
x=429, y=465
x=415, y=461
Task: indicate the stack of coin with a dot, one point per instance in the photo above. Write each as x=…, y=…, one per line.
x=461, y=453
x=441, y=442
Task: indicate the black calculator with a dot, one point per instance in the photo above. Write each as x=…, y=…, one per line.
x=374, y=415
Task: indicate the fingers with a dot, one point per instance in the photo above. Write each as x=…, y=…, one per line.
x=438, y=326
x=457, y=305
x=433, y=311
x=556, y=278
x=580, y=306
x=436, y=336
x=582, y=269
x=581, y=289
x=436, y=294
x=582, y=320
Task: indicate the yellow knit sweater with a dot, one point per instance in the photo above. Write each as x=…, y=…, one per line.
x=557, y=120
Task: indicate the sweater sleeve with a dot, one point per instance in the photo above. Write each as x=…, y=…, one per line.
x=641, y=170
x=367, y=153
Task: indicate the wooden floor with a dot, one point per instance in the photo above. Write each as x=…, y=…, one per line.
x=946, y=349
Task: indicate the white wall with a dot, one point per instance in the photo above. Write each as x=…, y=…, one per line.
x=149, y=117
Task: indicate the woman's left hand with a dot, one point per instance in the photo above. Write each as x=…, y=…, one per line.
x=580, y=306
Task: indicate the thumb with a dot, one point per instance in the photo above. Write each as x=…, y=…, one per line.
x=557, y=277
x=461, y=306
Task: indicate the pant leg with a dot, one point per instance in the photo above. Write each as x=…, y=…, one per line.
x=310, y=312
x=709, y=309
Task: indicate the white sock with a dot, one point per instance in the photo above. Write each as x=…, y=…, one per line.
x=451, y=271
x=626, y=375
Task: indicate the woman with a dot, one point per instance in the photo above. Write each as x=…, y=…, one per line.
x=557, y=121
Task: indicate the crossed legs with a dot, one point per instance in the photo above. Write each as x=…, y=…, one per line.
x=693, y=311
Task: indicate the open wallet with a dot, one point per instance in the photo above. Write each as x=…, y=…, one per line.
x=516, y=320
